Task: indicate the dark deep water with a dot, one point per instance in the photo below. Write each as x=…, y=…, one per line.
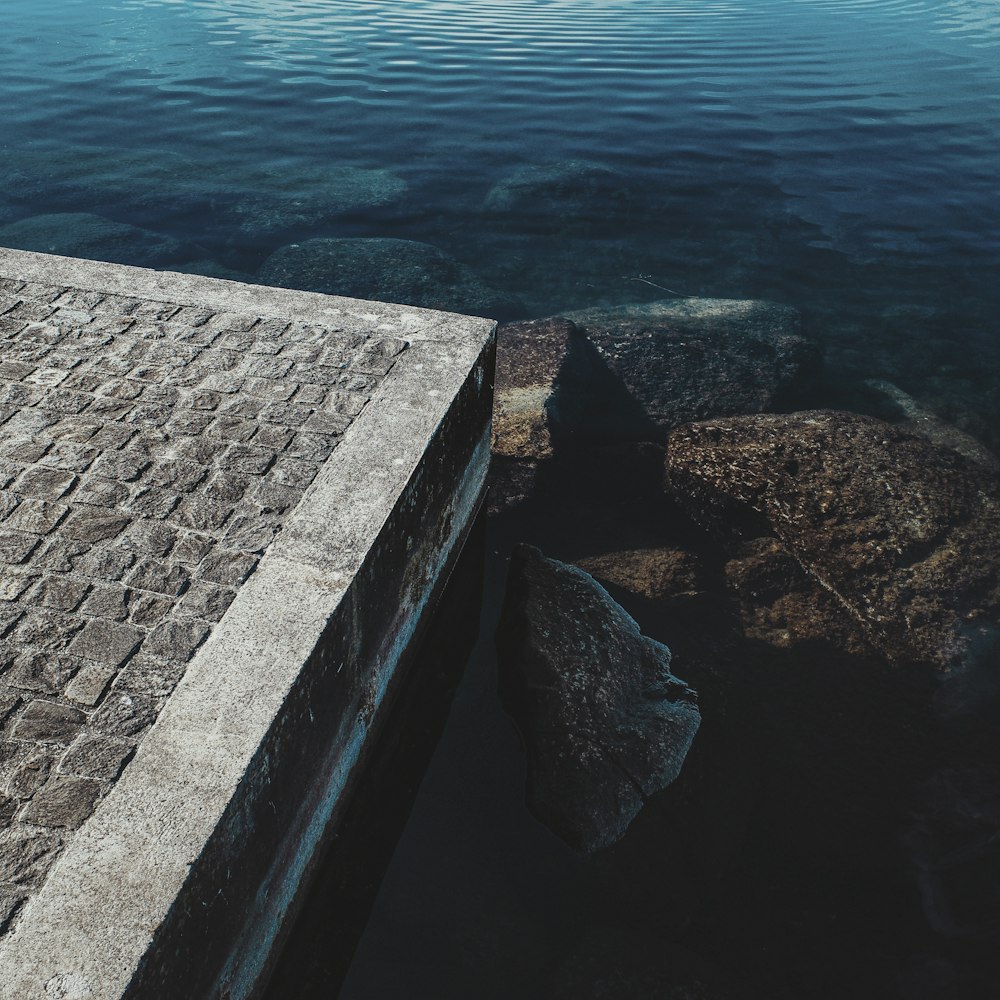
x=840, y=156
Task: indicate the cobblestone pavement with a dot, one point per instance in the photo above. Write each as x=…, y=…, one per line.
x=149, y=453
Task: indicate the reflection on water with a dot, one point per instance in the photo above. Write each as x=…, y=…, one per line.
x=542, y=156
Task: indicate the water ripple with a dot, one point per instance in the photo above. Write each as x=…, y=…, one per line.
x=848, y=106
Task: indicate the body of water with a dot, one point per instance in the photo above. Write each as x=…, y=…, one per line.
x=540, y=156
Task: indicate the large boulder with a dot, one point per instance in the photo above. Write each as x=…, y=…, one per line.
x=606, y=724
x=75, y=234
x=900, y=531
x=530, y=358
x=390, y=270
x=690, y=359
x=637, y=372
x=654, y=574
x=552, y=389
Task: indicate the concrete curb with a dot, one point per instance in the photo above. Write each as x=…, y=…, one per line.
x=180, y=881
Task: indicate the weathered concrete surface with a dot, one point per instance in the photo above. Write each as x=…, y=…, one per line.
x=231, y=507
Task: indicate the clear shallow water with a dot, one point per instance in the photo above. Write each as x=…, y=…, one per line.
x=841, y=156
x=838, y=155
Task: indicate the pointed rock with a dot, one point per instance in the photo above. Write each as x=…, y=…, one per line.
x=605, y=722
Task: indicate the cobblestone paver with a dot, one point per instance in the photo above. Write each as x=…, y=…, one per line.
x=149, y=454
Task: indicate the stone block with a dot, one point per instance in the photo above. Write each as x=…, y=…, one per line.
x=227, y=487
x=148, y=609
x=150, y=537
x=96, y=757
x=106, y=642
x=101, y=492
x=125, y=466
x=41, y=483
x=205, y=600
x=64, y=801
x=107, y=564
x=70, y=457
x=175, y=640
x=126, y=716
x=201, y=513
x=107, y=601
x=226, y=567
x=25, y=857
x=177, y=474
x=88, y=686
x=95, y=524
x=191, y=549
x=159, y=576
x=153, y=502
x=247, y=458
x=15, y=546
x=311, y=448
x=48, y=673
x=36, y=516
x=61, y=593
x=14, y=581
x=47, y=722
x=49, y=631
x=293, y=473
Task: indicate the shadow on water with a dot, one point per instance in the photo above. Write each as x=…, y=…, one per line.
x=331, y=920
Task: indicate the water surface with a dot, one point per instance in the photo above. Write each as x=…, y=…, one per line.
x=837, y=155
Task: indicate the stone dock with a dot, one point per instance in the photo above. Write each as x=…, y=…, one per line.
x=225, y=513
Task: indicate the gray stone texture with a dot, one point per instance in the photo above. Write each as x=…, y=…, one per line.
x=605, y=722
x=149, y=454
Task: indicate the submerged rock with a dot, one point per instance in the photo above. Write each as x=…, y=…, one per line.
x=569, y=194
x=605, y=722
x=391, y=270
x=318, y=197
x=77, y=234
x=900, y=531
x=919, y=419
x=143, y=184
x=260, y=200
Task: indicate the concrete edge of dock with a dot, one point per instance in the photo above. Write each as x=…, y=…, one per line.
x=180, y=882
